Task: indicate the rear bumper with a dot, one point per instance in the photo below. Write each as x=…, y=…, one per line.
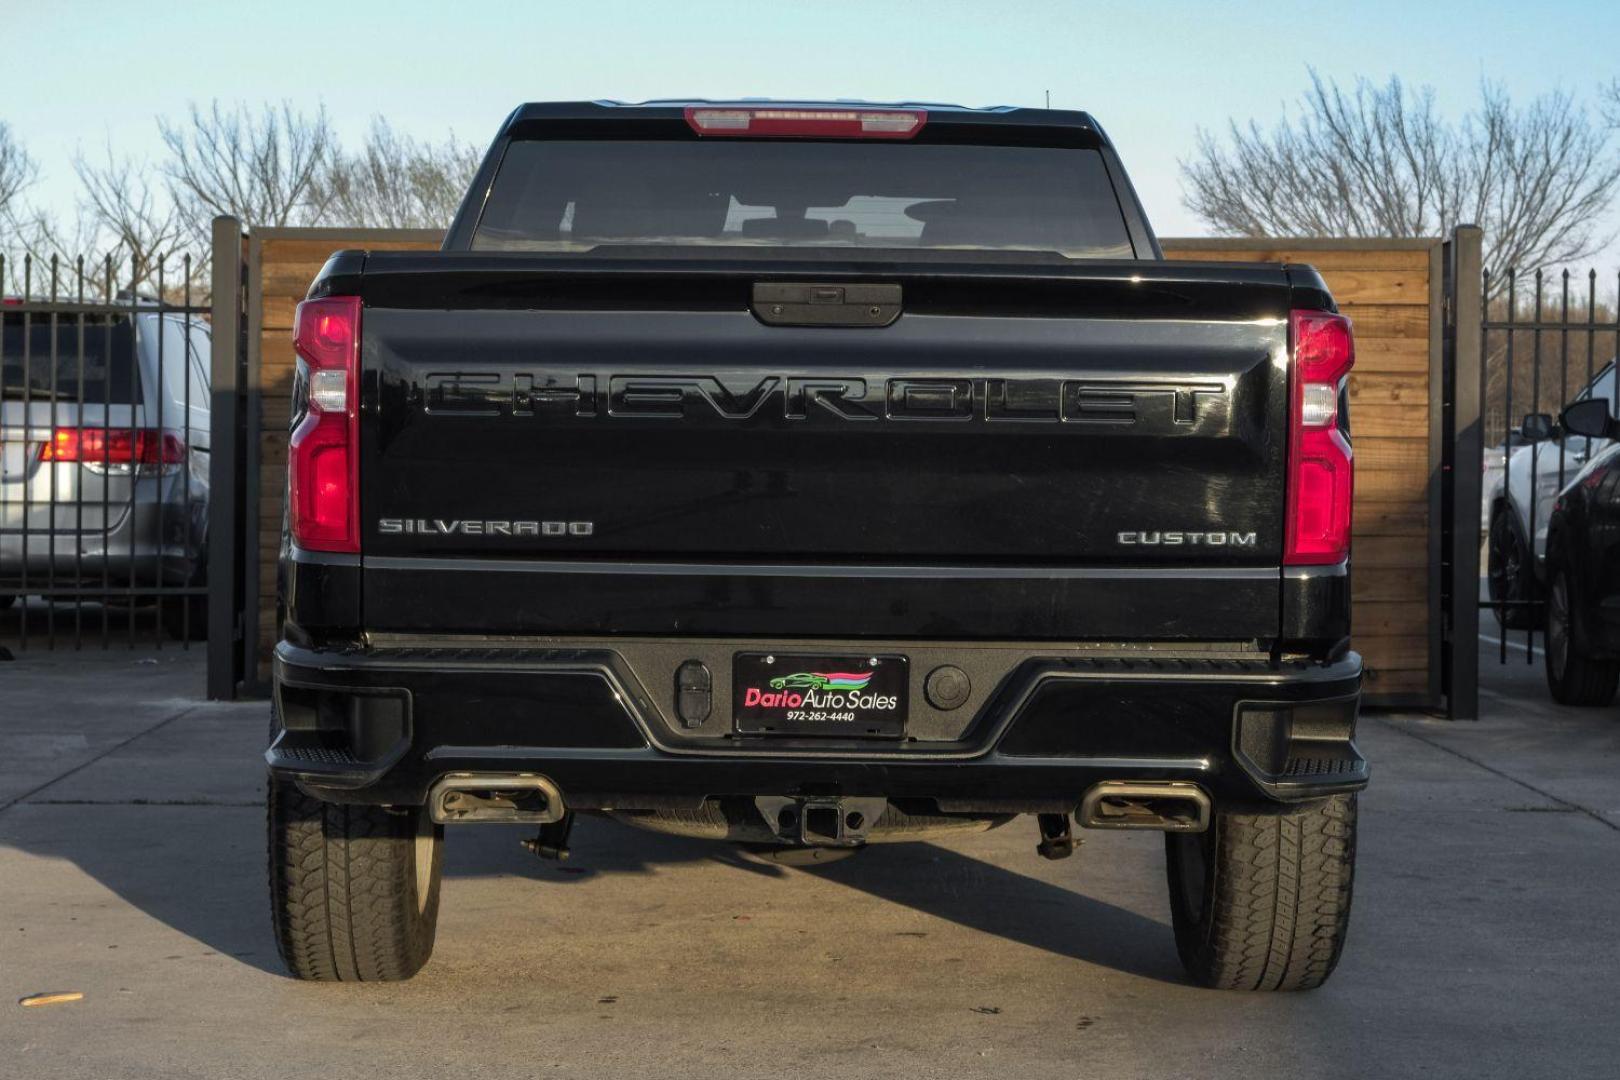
x=151, y=543
x=95, y=574
x=382, y=725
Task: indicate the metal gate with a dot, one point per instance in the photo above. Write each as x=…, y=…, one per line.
x=121, y=487
x=1547, y=339
x=104, y=452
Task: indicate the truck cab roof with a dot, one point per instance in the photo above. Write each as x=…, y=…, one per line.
x=526, y=119
x=1069, y=116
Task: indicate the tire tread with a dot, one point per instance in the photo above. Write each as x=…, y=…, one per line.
x=1585, y=680
x=343, y=890
x=1280, y=908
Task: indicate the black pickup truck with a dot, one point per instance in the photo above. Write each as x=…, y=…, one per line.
x=808, y=476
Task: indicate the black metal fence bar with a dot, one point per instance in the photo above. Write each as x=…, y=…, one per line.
x=134, y=358
x=78, y=504
x=50, y=474
x=106, y=437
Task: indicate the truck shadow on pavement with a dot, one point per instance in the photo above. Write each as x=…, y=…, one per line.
x=139, y=852
x=929, y=878
x=1010, y=905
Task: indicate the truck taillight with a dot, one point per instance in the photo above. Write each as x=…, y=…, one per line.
x=323, y=455
x=778, y=122
x=1321, y=471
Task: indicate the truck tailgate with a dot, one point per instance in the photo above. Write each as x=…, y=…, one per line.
x=1010, y=446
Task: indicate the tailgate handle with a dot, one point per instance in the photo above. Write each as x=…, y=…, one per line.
x=819, y=304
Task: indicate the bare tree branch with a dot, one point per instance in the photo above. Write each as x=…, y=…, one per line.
x=17, y=169
x=31, y=238
x=261, y=168
x=140, y=225
x=1609, y=95
x=396, y=182
x=1379, y=161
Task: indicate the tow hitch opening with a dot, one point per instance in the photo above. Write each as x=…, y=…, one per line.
x=820, y=822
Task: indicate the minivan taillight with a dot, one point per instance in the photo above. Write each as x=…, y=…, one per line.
x=115, y=449
x=1321, y=472
x=323, y=455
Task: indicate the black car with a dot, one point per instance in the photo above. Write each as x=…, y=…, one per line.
x=1583, y=568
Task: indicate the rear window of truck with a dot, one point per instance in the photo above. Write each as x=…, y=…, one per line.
x=576, y=196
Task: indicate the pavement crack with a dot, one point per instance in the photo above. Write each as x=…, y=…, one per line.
x=111, y=750
x=1566, y=804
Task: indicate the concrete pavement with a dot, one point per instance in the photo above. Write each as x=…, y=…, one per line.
x=1483, y=938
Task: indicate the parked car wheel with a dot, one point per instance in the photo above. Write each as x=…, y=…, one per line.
x=1511, y=574
x=1261, y=900
x=1573, y=677
x=354, y=890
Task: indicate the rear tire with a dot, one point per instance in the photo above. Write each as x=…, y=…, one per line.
x=1573, y=677
x=354, y=890
x=1510, y=574
x=1261, y=901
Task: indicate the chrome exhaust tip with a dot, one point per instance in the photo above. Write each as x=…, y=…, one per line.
x=520, y=798
x=1162, y=805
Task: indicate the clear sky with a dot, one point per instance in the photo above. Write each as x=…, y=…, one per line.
x=77, y=72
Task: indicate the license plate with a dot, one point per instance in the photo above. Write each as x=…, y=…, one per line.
x=840, y=696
